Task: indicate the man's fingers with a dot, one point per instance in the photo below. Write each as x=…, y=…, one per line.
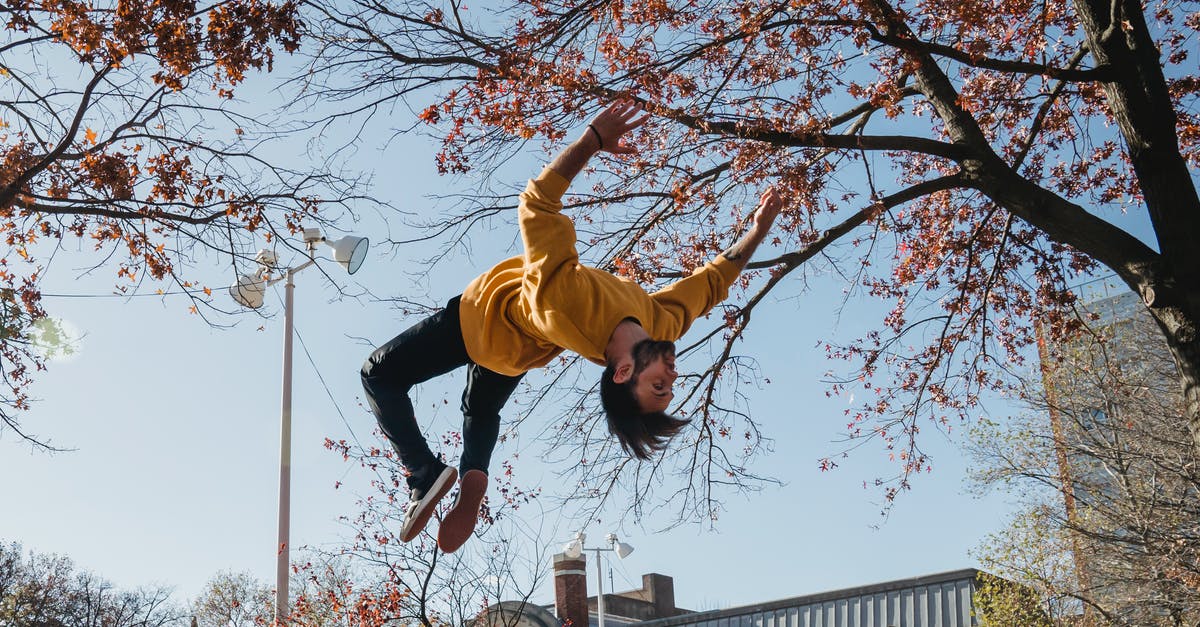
x=618, y=118
x=769, y=205
x=618, y=105
x=623, y=108
x=772, y=199
x=638, y=122
x=627, y=116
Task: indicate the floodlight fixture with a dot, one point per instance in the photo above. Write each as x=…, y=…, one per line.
x=623, y=550
x=574, y=548
x=249, y=290
x=349, y=251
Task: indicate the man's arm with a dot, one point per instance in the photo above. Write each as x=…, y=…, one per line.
x=764, y=217
x=606, y=132
x=548, y=235
x=688, y=298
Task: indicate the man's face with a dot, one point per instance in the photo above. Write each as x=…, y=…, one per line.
x=656, y=375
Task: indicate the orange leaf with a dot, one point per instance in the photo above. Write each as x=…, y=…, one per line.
x=90, y=135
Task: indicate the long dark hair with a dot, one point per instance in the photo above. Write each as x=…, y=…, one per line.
x=641, y=434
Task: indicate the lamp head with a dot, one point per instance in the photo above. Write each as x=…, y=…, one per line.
x=622, y=550
x=574, y=548
x=266, y=258
x=249, y=290
x=350, y=251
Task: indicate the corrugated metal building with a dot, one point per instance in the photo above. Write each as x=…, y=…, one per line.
x=941, y=600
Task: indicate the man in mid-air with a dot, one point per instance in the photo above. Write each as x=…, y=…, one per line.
x=524, y=312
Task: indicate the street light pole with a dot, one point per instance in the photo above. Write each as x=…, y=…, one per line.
x=599, y=588
x=283, y=552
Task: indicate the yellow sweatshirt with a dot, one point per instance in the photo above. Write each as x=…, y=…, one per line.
x=526, y=310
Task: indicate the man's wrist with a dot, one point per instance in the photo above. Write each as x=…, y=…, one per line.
x=596, y=135
x=574, y=157
x=590, y=140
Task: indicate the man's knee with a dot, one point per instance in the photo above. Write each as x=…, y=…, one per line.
x=368, y=369
x=372, y=370
x=383, y=358
x=486, y=393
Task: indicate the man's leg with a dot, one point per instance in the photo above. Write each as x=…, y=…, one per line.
x=428, y=349
x=483, y=398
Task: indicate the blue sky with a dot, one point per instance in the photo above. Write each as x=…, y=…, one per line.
x=174, y=426
x=175, y=430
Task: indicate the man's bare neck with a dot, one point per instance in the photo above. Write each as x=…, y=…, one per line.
x=627, y=333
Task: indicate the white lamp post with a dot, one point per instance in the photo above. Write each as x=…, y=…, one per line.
x=575, y=548
x=349, y=252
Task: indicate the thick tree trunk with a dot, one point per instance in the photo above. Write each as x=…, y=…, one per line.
x=1179, y=326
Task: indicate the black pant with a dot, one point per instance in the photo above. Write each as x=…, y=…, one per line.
x=430, y=348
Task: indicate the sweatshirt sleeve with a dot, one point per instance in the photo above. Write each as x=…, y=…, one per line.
x=689, y=298
x=548, y=235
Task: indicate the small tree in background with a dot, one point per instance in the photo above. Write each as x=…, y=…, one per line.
x=374, y=580
x=1108, y=482
x=234, y=600
x=41, y=589
x=381, y=580
x=1002, y=603
x=1033, y=558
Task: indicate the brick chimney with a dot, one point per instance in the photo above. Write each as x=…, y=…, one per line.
x=661, y=590
x=570, y=589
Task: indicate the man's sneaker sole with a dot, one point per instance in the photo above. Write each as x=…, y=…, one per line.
x=419, y=512
x=459, y=522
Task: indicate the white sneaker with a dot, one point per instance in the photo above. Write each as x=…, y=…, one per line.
x=421, y=507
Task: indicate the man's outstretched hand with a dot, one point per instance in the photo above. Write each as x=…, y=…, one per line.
x=769, y=205
x=607, y=130
x=768, y=208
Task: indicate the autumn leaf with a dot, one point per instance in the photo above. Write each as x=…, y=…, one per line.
x=90, y=136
